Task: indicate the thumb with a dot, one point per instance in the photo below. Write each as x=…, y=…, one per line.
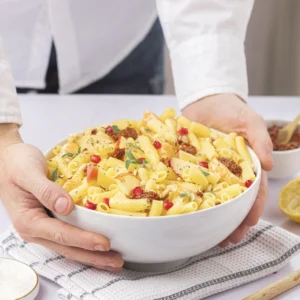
x=50, y=194
x=260, y=141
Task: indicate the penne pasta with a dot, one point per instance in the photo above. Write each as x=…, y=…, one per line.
x=156, y=208
x=119, y=201
x=247, y=171
x=242, y=148
x=154, y=167
x=169, y=113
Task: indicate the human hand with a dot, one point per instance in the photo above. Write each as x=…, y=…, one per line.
x=25, y=190
x=228, y=113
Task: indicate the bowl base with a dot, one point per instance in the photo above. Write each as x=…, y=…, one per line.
x=155, y=267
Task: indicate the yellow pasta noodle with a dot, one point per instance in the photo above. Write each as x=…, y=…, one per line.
x=207, y=204
x=79, y=160
x=208, y=149
x=183, y=121
x=242, y=148
x=94, y=190
x=189, y=207
x=200, y=130
x=103, y=207
x=156, y=208
x=56, y=150
x=119, y=201
x=169, y=113
x=78, y=193
x=176, y=209
x=115, y=163
x=220, y=143
x=171, y=124
x=247, y=171
x=126, y=213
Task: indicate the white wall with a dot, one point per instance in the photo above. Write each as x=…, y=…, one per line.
x=272, y=49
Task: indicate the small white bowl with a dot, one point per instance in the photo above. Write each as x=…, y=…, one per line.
x=286, y=163
x=161, y=243
x=20, y=280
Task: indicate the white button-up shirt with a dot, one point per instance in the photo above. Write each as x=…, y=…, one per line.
x=205, y=39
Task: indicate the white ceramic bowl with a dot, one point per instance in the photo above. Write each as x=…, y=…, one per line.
x=17, y=280
x=286, y=163
x=159, y=243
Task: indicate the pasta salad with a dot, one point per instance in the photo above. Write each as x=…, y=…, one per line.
x=158, y=166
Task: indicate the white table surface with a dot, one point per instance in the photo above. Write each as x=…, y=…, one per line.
x=49, y=119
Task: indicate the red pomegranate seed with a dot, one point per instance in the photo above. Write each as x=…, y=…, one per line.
x=168, y=205
x=95, y=159
x=91, y=205
x=157, y=144
x=141, y=160
x=138, y=191
x=203, y=164
x=183, y=130
x=248, y=183
x=109, y=129
x=106, y=201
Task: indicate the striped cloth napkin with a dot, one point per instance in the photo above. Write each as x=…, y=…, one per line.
x=264, y=250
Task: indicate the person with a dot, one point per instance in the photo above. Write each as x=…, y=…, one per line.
x=205, y=40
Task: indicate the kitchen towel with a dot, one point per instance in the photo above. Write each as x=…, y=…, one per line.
x=264, y=250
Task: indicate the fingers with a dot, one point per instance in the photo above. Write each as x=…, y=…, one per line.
x=109, y=261
x=67, y=235
x=225, y=243
x=259, y=204
x=236, y=236
x=50, y=194
x=253, y=216
x=260, y=141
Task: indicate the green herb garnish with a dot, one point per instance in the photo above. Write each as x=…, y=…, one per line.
x=132, y=160
x=79, y=150
x=130, y=155
x=68, y=154
x=54, y=175
x=205, y=173
x=183, y=195
x=128, y=163
x=148, y=130
x=134, y=146
x=116, y=129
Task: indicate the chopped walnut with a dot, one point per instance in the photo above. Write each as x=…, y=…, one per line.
x=188, y=148
x=231, y=165
x=182, y=139
x=199, y=194
x=126, y=133
x=118, y=153
x=149, y=195
x=94, y=131
x=166, y=161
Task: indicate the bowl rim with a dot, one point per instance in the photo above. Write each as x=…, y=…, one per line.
x=282, y=152
x=257, y=180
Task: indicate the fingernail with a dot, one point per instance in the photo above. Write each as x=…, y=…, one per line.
x=61, y=205
x=100, y=248
x=112, y=265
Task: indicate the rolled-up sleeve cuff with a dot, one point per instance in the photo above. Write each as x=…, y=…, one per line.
x=11, y=119
x=211, y=64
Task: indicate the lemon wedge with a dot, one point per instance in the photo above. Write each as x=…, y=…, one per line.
x=289, y=200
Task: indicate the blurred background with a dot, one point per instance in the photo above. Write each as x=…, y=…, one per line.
x=272, y=49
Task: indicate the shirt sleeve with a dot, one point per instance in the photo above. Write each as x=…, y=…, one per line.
x=206, y=43
x=9, y=105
